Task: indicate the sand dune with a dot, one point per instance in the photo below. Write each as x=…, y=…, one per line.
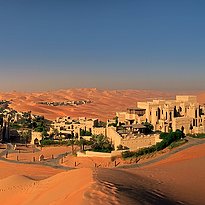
x=15, y=182
x=63, y=188
x=72, y=187
x=181, y=175
x=134, y=189
x=105, y=102
x=36, y=172
x=178, y=179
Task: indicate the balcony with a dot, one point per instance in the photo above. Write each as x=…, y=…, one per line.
x=136, y=111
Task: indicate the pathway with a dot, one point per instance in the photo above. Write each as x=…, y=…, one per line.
x=191, y=142
x=54, y=163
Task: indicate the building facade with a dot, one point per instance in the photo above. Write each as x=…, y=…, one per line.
x=67, y=125
x=182, y=113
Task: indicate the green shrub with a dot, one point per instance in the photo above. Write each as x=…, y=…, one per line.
x=85, y=133
x=120, y=147
x=127, y=154
x=100, y=143
x=177, y=143
x=49, y=142
x=163, y=135
x=167, y=139
x=149, y=127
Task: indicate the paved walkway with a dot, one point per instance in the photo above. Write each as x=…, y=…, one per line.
x=191, y=142
x=54, y=163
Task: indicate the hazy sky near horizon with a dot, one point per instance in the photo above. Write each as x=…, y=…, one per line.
x=115, y=44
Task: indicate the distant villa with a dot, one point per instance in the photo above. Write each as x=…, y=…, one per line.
x=66, y=103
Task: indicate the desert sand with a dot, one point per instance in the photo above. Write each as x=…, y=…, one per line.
x=36, y=172
x=178, y=179
x=63, y=188
x=104, y=102
x=181, y=176
x=47, y=152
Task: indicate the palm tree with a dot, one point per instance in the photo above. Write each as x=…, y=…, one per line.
x=26, y=135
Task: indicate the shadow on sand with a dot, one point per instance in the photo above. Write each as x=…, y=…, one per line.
x=134, y=189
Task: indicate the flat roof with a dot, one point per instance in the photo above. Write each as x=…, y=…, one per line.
x=135, y=126
x=136, y=108
x=122, y=132
x=138, y=126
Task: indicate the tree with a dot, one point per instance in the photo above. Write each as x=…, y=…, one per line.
x=120, y=147
x=101, y=124
x=100, y=143
x=71, y=137
x=116, y=120
x=44, y=133
x=26, y=135
x=85, y=133
x=149, y=127
x=82, y=143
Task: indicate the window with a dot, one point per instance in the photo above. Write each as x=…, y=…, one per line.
x=193, y=122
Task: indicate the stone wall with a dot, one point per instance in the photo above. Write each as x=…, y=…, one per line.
x=99, y=131
x=133, y=143
x=178, y=122
x=136, y=143
x=114, y=137
x=99, y=154
x=36, y=135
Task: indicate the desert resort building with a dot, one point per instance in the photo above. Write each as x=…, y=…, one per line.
x=182, y=113
x=79, y=127
x=129, y=129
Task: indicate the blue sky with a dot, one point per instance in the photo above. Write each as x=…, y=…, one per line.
x=116, y=44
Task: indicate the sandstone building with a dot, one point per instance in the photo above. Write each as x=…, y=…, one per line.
x=69, y=126
x=182, y=113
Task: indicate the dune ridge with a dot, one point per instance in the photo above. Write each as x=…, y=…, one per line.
x=15, y=182
x=78, y=186
x=104, y=102
x=62, y=188
x=178, y=179
x=181, y=175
